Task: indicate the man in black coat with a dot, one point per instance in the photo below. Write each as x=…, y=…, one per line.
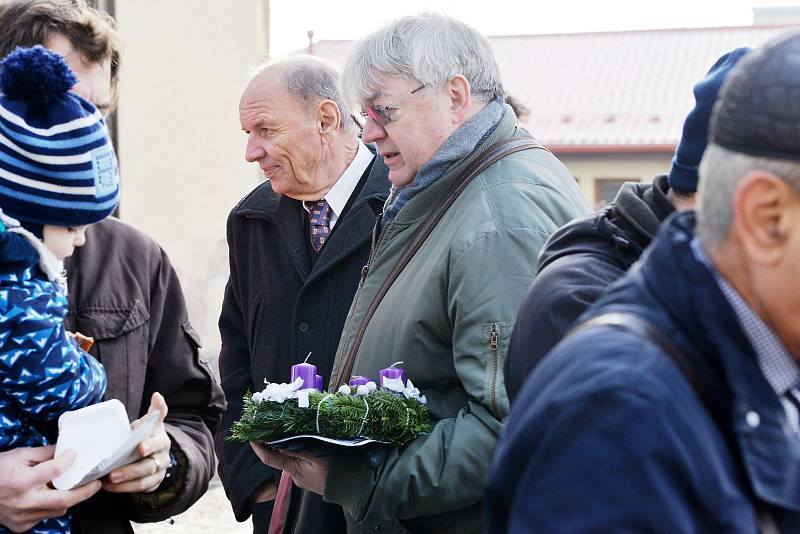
x=297, y=245
x=584, y=257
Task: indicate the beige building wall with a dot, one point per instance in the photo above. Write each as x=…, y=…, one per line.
x=589, y=168
x=181, y=148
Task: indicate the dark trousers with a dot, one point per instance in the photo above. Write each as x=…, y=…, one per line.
x=261, y=514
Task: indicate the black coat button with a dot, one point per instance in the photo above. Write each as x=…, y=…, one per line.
x=302, y=327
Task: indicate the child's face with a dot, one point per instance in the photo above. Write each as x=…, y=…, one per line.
x=62, y=240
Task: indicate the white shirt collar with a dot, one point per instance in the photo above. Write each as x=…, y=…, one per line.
x=341, y=191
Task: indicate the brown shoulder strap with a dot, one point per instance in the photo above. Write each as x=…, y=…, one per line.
x=490, y=156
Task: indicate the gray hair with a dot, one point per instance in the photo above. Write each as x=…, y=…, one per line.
x=721, y=171
x=311, y=80
x=429, y=48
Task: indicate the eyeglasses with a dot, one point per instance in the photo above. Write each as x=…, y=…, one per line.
x=380, y=114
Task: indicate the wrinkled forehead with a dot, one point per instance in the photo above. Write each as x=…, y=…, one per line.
x=265, y=89
x=265, y=80
x=267, y=98
x=382, y=87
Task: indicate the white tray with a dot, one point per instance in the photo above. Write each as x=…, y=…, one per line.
x=356, y=442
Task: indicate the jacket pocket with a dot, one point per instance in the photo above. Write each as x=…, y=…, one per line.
x=192, y=334
x=121, y=336
x=496, y=336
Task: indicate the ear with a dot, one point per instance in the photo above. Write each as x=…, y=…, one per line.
x=328, y=119
x=460, y=94
x=762, y=216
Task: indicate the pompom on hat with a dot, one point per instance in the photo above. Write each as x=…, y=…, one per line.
x=682, y=175
x=57, y=163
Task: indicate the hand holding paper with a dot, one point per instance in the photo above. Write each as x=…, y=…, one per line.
x=105, y=443
x=152, y=455
x=25, y=497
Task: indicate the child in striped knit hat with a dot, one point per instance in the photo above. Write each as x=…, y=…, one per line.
x=58, y=174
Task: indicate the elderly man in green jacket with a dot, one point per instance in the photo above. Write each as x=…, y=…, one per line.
x=473, y=200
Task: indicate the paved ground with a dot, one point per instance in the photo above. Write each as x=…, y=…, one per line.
x=211, y=514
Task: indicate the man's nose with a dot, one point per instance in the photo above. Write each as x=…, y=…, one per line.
x=80, y=239
x=254, y=151
x=372, y=131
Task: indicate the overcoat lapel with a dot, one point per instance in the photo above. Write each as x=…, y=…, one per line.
x=289, y=222
x=356, y=226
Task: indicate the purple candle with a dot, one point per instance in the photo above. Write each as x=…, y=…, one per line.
x=359, y=380
x=318, y=383
x=307, y=372
x=392, y=372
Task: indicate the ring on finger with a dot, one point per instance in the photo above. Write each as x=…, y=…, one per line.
x=158, y=464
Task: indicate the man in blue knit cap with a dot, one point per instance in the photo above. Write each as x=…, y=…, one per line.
x=674, y=405
x=58, y=175
x=584, y=257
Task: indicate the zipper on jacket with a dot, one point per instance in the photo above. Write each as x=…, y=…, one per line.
x=377, y=237
x=494, y=346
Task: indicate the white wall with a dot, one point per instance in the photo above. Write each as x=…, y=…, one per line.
x=181, y=148
x=635, y=167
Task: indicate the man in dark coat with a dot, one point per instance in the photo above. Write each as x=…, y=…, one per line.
x=291, y=278
x=693, y=426
x=584, y=257
x=125, y=293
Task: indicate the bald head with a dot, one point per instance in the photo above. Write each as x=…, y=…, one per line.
x=308, y=79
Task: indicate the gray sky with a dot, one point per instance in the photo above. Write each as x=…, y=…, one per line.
x=350, y=19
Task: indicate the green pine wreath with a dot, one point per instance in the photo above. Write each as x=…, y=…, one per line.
x=381, y=415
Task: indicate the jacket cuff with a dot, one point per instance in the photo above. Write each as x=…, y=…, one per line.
x=192, y=482
x=242, y=474
x=242, y=501
x=168, y=491
x=349, y=482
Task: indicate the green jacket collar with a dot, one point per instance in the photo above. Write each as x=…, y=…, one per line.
x=423, y=203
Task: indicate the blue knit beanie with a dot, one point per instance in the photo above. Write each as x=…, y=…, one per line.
x=57, y=164
x=683, y=173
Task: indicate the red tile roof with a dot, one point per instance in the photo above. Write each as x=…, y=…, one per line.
x=609, y=91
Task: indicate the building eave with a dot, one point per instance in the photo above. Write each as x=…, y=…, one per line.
x=612, y=149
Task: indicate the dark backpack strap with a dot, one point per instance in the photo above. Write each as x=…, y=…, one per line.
x=489, y=157
x=641, y=327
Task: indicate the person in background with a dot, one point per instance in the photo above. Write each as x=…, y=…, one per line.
x=125, y=293
x=520, y=110
x=673, y=406
x=586, y=256
x=58, y=175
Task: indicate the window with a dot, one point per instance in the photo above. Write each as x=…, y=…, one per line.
x=606, y=189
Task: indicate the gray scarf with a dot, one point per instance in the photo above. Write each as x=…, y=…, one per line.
x=456, y=147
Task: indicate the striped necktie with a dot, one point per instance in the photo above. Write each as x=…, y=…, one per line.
x=320, y=218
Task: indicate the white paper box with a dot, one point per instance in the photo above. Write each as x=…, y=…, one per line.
x=102, y=440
